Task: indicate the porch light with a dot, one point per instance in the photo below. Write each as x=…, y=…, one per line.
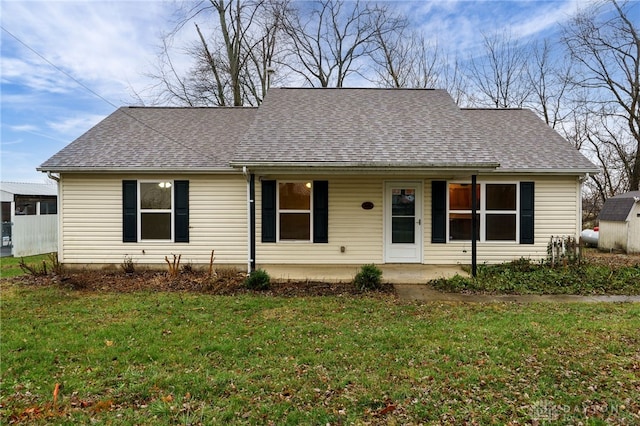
x=308, y=185
x=164, y=184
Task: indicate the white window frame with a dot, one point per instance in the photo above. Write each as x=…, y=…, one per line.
x=171, y=210
x=279, y=210
x=482, y=212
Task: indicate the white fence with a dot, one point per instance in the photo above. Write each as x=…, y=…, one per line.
x=35, y=234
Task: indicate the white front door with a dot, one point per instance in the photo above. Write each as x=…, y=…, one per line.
x=403, y=222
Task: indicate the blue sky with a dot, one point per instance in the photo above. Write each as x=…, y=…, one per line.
x=109, y=47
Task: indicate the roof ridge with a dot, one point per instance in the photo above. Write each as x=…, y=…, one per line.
x=495, y=109
x=189, y=107
x=360, y=88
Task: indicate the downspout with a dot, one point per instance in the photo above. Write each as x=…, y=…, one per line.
x=252, y=223
x=474, y=227
x=251, y=215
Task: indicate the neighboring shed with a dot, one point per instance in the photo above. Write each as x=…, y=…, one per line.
x=620, y=223
x=29, y=218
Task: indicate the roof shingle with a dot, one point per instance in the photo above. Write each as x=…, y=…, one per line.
x=617, y=208
x=322, y=127
x=151, y=138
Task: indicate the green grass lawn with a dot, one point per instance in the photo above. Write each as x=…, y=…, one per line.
x=10, y=266
x=172, y=358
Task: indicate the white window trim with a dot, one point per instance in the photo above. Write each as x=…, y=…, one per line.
x=140, y=211
x=278, y=211
x=482, y=211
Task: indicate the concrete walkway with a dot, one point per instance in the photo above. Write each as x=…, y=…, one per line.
x=424, y=293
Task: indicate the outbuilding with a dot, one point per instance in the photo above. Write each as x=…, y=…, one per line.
x=620, y=223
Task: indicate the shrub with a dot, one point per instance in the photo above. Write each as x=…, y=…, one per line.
x=258, y=280
x=368, y=278
x=127, y=265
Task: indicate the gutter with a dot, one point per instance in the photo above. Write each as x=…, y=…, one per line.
x=52, y=177
x=121, y=170
x=373, y=166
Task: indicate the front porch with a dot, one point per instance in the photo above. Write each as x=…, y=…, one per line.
x=391, y=273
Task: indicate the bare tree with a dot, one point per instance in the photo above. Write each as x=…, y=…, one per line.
x=606, y=47
x=404, y=58
x=549, y=75
x=499, y=75
x=329, y=40
x=232, y=61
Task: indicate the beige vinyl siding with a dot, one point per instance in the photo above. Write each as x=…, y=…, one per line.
x=556, y=213
x=359, y=231
x=91, y=230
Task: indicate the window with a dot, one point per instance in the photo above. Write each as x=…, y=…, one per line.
x=501, y=213
x=496, y=212
x=48, y=207
x=155, y=211
x=156, y=201
x=287, y=211
x=294, y=211
x=460, y=211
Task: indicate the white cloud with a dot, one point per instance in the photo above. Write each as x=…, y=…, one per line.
x=23, y=128
x=105, y=45
x=75, y=125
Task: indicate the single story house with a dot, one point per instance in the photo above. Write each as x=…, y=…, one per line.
x=620, y=223
x=318, y=177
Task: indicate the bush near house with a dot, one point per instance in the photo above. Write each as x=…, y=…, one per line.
x=258, y=280
x=526, y=277
x=368, y=278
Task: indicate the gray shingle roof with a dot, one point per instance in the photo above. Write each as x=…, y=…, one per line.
x=149, y=138
x=520, y=140
x=362, y=127
x=617, y=209
x=322, y=127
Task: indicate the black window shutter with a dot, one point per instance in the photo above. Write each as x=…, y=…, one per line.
x=268, y=211
x=320, y=211
x=181, y=211
x=438, y=211
x=129, y=211
x=527, y=196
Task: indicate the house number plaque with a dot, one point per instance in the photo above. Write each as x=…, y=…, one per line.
x=367, y=205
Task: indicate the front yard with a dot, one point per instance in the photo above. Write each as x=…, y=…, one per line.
x=142, y=357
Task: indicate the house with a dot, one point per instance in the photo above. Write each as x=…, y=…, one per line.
x=620, y=223
x=27, y=227
x=318, y=177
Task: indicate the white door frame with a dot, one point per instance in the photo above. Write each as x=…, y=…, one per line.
x=403, y=253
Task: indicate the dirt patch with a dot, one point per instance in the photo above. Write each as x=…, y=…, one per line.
x=227, y=282
x=612, y=260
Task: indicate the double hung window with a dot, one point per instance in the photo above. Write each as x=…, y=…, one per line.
x=156, y=210
x=294, y=211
